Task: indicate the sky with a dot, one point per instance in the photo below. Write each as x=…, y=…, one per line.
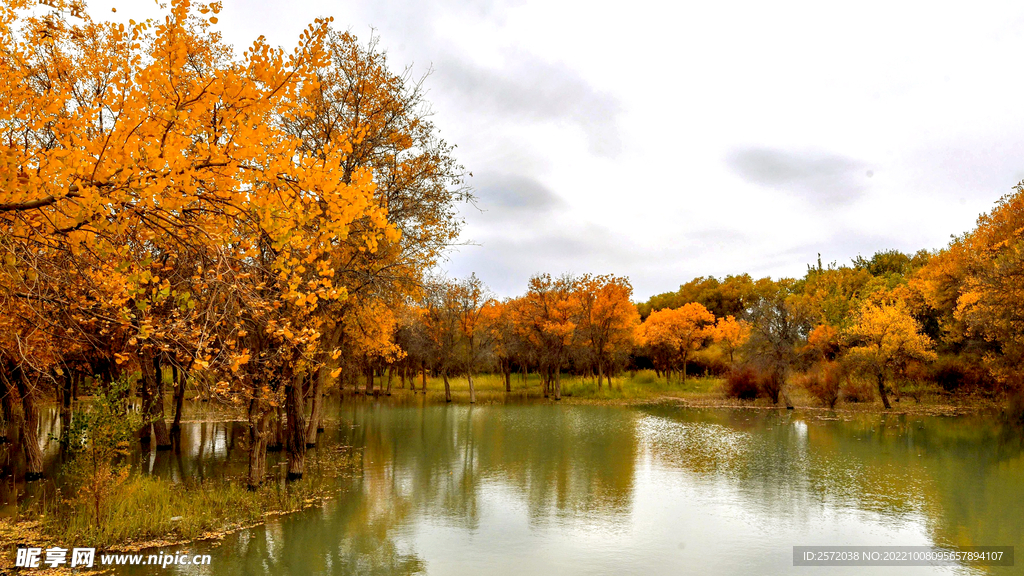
x=668, y=140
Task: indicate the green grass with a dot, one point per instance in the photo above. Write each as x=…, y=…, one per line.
x=153, y=510
x=490, y=388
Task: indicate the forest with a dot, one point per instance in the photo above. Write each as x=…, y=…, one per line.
x=262, y=231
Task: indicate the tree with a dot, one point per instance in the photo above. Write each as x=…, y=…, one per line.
x=991, y=297
x=779, y=322
x=886, y=337
x=731, y=334
x=99, y=443
x=824, y=342
x=549, y=314
x=727, y=297
x=674, y=335
x=443, y=328
x=470, y=298
x=498, y=321
x=166, y=204
x=608, y=319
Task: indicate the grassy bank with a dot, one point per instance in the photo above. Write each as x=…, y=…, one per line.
x=147, y=512
x=644, y=386
x=491, y=388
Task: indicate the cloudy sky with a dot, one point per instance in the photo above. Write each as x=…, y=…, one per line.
x=667, y=140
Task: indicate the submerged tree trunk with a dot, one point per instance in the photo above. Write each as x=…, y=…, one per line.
x=257, y=446
x=7, y=403
x=472, y=389
x=30, y=428
x=275, y=441
x=66, y=391
x=178, y=379
x=163, y=439
x=447, y=388
x=315, y=409
x=146, y=393
x=296, y=427
x=881, y=391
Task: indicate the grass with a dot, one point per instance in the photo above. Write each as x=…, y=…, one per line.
x=490, y=388
x=644, y=386
x=148, y=511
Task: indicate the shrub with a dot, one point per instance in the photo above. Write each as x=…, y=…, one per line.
x=742, y=383
x=956, y=373
x=857, y=390
x=708, y=362
x=771, y=385
x=98, y=443
x=823, y=382
x=1015, y=408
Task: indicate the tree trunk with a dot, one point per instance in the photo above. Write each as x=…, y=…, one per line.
x=30, y=428
x=369, y=381
x=472, y=389
x=881, y=391
x=178, y=378
x=163, y=439
x=296, y=432
x=508, y=379
x=66, y=391
x=558, y=384
x=7, y=403
x=447, y=388
x=401, y=378
x=257, y=446
x=600, y=375
x=276, y=441
x=315, y=409
x=391, y=373
x=146, y=392
x=424, y=383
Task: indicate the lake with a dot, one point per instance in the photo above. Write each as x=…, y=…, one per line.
x=573, y=489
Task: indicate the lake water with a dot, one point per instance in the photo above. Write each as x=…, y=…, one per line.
x=561, y=489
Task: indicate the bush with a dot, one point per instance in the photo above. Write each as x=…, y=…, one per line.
x=956, y=373
x=770, y=384
x=823, y=382
x=1015, y=408
x=98, y=443
x=858, y=390
x=708, y=362
x=742, y=383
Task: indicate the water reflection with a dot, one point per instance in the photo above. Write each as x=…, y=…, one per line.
x=582, y=489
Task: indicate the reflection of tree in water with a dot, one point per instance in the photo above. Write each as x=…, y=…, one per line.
x=443, y=459
x=964, y=476
x=349, y=536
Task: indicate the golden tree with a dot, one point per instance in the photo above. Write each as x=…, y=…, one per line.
x=731, y=334
x=886, y=337
x=674, y=334
x=608, y=320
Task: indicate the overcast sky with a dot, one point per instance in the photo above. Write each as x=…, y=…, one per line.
x=668, y=140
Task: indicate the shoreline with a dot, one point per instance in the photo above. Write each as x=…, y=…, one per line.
x=24, y=529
